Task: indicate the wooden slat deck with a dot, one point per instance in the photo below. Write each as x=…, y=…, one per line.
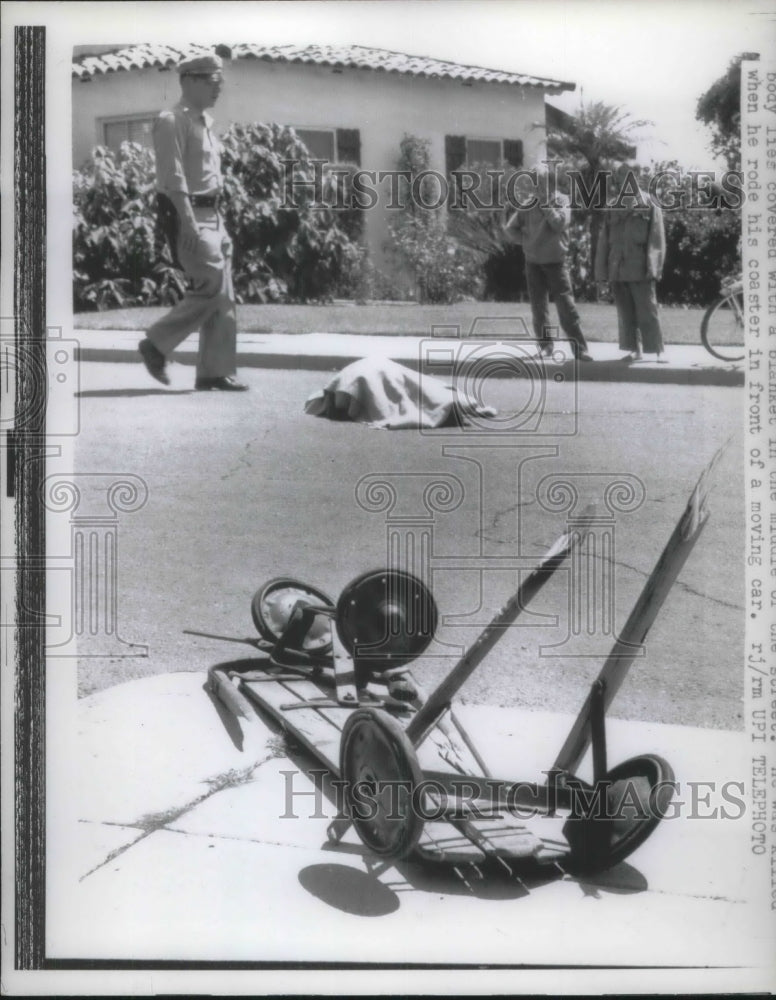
x=454, y=841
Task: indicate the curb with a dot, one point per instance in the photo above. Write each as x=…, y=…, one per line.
x=595, y=371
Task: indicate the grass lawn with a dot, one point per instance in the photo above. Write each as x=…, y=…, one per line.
x=599, y=320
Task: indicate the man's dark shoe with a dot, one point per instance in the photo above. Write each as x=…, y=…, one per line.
x=154, y=361
x=583, y=356
x=224, y=383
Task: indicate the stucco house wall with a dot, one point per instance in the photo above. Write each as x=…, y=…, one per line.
x=382, y=106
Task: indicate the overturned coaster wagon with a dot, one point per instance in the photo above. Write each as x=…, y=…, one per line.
x=411, y=781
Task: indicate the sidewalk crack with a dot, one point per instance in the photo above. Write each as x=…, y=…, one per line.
x=153, y=822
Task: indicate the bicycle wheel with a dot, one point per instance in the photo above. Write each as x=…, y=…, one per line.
x=722, y=329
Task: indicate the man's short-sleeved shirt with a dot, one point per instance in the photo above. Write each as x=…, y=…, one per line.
x=187, y=152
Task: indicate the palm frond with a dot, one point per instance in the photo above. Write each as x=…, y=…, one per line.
x=597, y=133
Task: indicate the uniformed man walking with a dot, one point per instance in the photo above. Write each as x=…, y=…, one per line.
x=188, y=181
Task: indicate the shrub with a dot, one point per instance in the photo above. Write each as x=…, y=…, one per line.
x=287, y=245
x=702, y=244
x=443, y=270
x=115, y=258
x=702, y=248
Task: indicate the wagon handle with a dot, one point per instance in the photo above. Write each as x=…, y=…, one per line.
x=641, y=618
x=439, y=700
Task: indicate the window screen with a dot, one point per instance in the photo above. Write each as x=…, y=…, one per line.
x=128, y=130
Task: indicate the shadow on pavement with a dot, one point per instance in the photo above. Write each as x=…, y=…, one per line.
x=132, y=392
x=621, y=880
x=349, y=890
x=231, y=725
x=487, y=880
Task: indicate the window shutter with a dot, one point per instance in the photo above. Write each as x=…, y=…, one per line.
x=349, y=151
x=455, y=152
x=513, y=152
x=349, y=146
x=455, y=157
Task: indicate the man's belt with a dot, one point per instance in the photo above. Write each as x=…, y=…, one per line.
x=204, y=200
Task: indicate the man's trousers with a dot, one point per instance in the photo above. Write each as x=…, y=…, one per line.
x=636, y=303
x=208, y=305
x=545, y=280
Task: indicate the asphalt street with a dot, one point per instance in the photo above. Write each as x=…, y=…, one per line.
x=246, y=487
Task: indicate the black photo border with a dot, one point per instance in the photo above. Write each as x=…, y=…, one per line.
x=26, y=451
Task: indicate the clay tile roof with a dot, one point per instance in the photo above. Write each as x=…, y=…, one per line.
x=344, y=56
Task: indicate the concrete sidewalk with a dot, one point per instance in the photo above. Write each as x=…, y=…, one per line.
x=177, y=848
x=686, y=365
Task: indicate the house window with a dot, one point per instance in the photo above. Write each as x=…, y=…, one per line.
x=321, y=143
x=340, y=145
x=489, y=151
x=136, y=129
x=461, y=150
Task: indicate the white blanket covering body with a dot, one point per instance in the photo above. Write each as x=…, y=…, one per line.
x=381, y=393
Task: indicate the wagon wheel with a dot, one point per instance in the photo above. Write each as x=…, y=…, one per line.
x=636, y=795
x=271, y=609
x=380, y=771
x=386, y=618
